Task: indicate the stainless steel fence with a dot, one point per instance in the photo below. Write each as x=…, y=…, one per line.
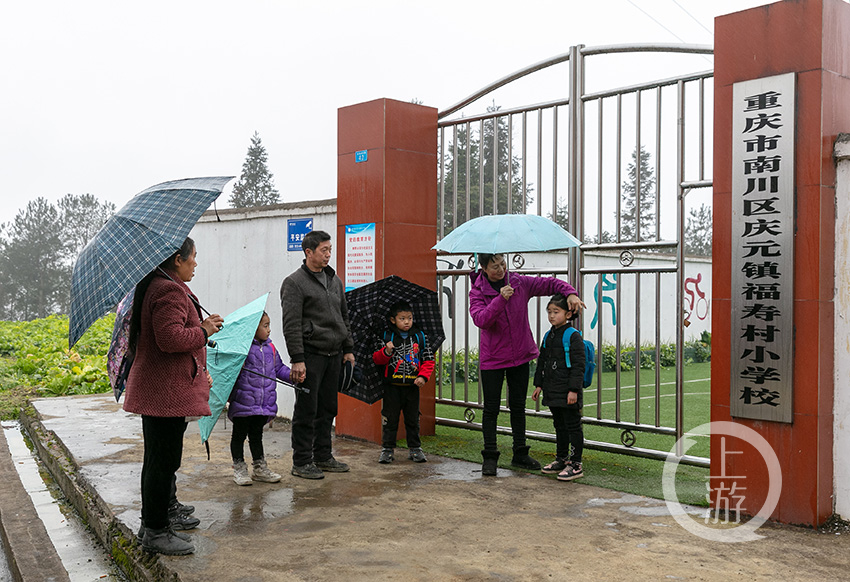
x=569, y=159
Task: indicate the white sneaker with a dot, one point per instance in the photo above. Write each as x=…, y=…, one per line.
x=262, y=472
x=240, y=474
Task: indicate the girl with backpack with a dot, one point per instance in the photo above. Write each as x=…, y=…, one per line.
x=253, y=403
x=560, y=377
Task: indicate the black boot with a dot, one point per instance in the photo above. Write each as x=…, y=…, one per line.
x=165, y=541
x=141, y=535
x=523, y=460
x=491, y=461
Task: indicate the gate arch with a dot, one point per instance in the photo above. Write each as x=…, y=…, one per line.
x=623, y=151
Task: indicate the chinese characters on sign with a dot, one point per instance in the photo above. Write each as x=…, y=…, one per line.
x=763, y=117
x=359, y=255
x=296, y=228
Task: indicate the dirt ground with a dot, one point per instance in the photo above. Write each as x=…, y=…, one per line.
x=439, y=520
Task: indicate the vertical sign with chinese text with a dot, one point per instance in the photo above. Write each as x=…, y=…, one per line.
x=359, y=255
x=762, y=350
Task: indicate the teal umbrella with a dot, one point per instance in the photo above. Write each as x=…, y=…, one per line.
x=507, y=233
x=225, y=359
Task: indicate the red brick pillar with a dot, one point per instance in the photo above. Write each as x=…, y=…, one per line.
x=396, y=188
x=810, y=39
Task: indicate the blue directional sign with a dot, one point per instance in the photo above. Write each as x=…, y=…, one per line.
x=361, y=156
x=296, y=229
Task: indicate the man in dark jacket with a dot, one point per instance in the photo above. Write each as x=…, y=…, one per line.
x=318, y=339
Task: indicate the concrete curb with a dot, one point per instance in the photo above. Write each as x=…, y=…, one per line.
x=116, y=537
x=32, y=557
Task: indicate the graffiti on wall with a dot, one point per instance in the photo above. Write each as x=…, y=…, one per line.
x=607, y=285
x=695, y=300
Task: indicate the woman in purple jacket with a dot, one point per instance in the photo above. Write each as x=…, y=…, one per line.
x=253, y=403
x=498, y=303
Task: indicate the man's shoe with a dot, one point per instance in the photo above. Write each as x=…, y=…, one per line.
x=332, y=466
x=386, y=457
x=263, y=473
x=178, y=521
x=523, y=460
x=165, y=541
x=240, y=474
x=308, y=471
x=179, y=507
x=573, y=471
x=417, y=455
x=140, y=536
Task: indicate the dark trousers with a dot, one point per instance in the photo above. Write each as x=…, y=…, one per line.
x=397, y=400
x=491, y=386
x=252, y=428
x=163, y=438
x=568, y=432
x=312, y=419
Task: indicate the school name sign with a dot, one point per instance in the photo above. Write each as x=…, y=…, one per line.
x=763, y=116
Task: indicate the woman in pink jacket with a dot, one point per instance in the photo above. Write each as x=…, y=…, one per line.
x=498, y=303
x=167, y=383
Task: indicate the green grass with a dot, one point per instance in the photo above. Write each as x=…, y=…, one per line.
x=614, y=471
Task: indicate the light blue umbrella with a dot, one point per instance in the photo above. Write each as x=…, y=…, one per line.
x=226, y=356
x=225, y=359
x=507, y=233
x=145, y=232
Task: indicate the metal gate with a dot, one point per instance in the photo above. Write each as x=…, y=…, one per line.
x=613, y=166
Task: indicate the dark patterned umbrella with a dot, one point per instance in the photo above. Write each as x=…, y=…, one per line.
x=141, y=235
x=368, y=308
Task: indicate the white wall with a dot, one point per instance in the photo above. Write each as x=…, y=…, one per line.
x=698, y=281
x=841, y=407
x=244, y=256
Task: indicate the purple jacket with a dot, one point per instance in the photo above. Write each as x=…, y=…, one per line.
x=254, y=395
x=506, y=339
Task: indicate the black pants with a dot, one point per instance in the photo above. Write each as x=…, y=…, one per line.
x=251, y=427
x=312, y=419
x=491, y=386
x=568, y=432
x=397, y=400
x=163, y=438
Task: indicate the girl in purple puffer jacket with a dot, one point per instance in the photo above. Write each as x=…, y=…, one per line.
x=253, y=403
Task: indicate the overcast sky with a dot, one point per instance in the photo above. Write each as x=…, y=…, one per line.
x=109, y=97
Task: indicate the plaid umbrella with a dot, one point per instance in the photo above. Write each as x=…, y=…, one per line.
x=368, y=309
x=141, y=235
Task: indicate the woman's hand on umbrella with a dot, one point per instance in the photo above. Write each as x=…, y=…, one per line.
x=575, y=304
x=212, y=324
x=507, y=291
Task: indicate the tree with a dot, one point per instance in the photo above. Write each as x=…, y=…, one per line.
x=480, y=148
x=35, y=262
x=698, y=231
x=255, y=186
x=81, y=216
x=628, y=208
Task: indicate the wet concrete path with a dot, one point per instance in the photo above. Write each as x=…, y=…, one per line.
x=434, y=521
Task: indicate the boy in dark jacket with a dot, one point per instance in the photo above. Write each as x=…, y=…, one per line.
x=562, y=387
x=408, y=363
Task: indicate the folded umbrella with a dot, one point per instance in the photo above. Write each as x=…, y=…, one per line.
x=507, y=233
x=145, y=232
x=368, y=310
x=226, y=356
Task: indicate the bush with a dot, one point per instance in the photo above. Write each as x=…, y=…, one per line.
x=694, y=351
x=38, y=356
